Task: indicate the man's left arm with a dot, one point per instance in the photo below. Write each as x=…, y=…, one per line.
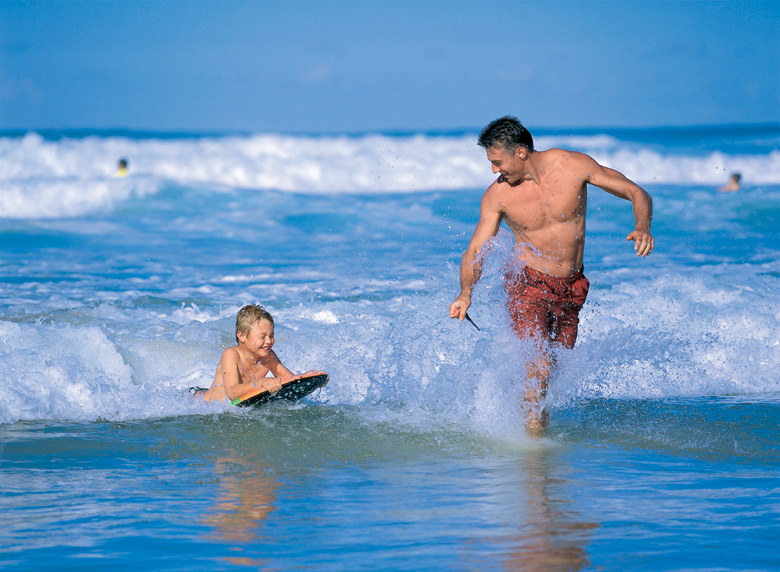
x=617, y=184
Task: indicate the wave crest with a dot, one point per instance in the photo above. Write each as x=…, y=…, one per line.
x=42, y=178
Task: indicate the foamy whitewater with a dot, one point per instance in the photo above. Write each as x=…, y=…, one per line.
x=120, y=293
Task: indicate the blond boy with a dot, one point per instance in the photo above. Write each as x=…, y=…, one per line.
x=243, y=368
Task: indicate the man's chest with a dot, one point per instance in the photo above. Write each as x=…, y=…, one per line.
x=531, y=206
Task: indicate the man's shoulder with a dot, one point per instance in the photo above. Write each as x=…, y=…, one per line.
x=492, y=201
x=572, y=162
x=565, y=156
x=494, y=191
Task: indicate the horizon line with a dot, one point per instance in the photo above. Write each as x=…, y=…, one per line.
x=55, y=133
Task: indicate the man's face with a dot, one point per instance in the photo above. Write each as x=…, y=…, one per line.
x=509, y=165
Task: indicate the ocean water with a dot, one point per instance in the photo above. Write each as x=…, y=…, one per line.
x=117, y=294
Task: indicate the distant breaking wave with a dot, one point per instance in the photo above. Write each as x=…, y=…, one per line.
x=42, y=178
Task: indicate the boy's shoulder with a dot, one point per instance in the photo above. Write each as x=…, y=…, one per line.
x=231, y=353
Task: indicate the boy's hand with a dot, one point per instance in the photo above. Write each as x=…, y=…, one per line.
x=271, y=384
x=309, y=374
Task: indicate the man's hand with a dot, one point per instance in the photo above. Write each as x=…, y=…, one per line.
x=643, y=242
x=459, y=307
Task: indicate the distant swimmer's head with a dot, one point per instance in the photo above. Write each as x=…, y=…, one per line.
x=123, y=163
x=250, y=315
x=506, y=133
x=122, y=168
x=733, y=184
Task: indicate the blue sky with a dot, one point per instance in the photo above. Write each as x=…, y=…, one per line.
x=386, y=66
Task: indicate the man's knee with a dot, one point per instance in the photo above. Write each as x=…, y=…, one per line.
x=538, y=370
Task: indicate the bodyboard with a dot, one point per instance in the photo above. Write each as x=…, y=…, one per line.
x=291, y=391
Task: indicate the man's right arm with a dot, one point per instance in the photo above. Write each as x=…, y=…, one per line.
x=470, y=265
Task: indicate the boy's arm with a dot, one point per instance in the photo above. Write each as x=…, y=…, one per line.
x=277, y=369
x=231, y=378
x=234, y=388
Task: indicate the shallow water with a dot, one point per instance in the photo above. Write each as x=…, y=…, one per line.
x=621, y=486
x=118, y=294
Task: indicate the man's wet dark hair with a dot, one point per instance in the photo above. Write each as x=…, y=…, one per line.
x=507, y=133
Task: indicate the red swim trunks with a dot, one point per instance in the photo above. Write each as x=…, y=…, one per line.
x=546, y=306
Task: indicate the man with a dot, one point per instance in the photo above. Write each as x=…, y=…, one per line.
x=542, y=197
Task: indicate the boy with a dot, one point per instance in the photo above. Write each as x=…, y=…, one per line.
x=243, y=367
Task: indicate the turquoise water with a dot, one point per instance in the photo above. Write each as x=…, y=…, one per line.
x=118, y=294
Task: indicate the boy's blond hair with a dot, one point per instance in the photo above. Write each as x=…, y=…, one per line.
x=248, y=316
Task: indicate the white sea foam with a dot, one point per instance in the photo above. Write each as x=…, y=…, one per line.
x=59, y=372
x=60, y=198
x=67, y=177
x=120, y=332
x=77, y=373
x=692, y=337
x=404, y=358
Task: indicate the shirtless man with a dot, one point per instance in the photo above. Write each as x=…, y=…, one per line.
x=542, y=197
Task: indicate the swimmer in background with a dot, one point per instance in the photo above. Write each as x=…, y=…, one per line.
x=243, y=368
x=122, y=168
x=733, y=184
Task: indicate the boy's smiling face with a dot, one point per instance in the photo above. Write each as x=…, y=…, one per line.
x=260, y=339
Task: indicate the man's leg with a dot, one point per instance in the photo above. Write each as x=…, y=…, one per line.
x=531, y=321
x=564, y=326
x=538, y=373
x=546, y=323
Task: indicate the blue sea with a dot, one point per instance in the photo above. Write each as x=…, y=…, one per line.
x=118, y=294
